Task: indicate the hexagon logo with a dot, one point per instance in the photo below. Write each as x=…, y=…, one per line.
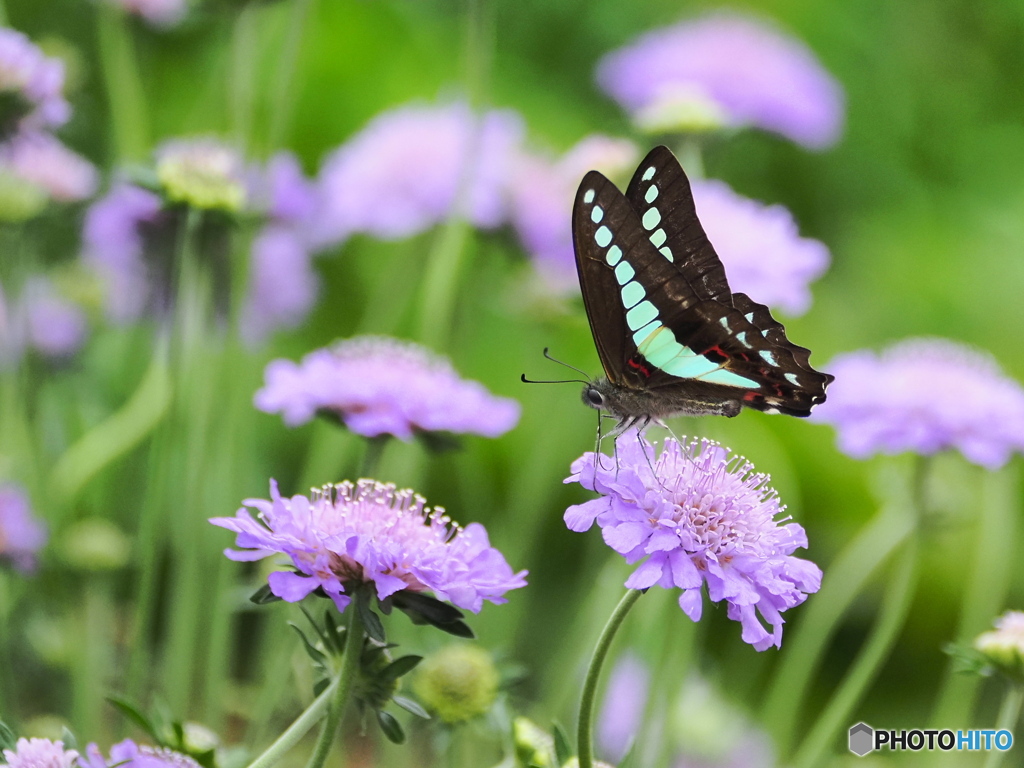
x=862, y=738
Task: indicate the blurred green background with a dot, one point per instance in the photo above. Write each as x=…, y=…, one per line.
x=921, y=204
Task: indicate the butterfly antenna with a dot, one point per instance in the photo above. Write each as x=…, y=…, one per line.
x=522, y=378
x=573, y=367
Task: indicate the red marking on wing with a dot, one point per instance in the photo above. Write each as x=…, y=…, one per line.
x=632, y=363
x=752, y=397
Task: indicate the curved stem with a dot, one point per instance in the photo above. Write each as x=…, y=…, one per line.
x=1009, y=714
x=585, y=727
x=283, y=100
x=346, y=677
x=298, y=729
x=124, y=91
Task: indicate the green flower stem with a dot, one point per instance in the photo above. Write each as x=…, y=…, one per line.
x=585, y=727
x=845, y=579
x=892, y=616
x=440, y=283
x=124, y=91
x=284, y=91
x=987, y=586
x=1009, y=714
x=346, y=677
x=241, y=88
x=374, y=451
x=3, y=14
x=310, y=717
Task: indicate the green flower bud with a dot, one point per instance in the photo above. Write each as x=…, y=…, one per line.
x=20, y=200
x=458, y=682
x=198, y=738
x=203, y=174
x=1003, y=647
x=95, y=545
x=534, y=745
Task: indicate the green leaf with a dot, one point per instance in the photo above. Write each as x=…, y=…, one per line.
x=7, y=738
x=563, y=747
x=411, y=706
x=316, y=627
x=400, y=667
x=332, y=632
x=118, y=434
x=263, y=595
x=371, y=621
x=178, y=744
x=134, y=714
x=439, y=442
x=318, y=658
x=321, y=685
x=430, y=608
x=457, y=628
x=207, y=759
x=391, y=727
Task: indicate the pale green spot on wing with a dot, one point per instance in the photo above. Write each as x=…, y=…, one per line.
x=730, y=379
x=624, y=272
x=651, y=195
x=651, y=218
x=658, y=237
x=641, y=315
x=632, y=293
x=613, y=255
x=596, y=214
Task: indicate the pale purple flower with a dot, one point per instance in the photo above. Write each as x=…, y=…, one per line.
x=55, y=327
x=33, y=78
x=622, y=710
x=350, y=534
x=402, y=173
x=161, y=14
x=698, y=517
x=542, y=193
x=114, y=244
x=41, y=160
x=282, y=283
x=760, y=246
x=128, y=754
x=40, y=753
x=925, y=395
x=754, y=73
x=22, y=534
x=382, y=386
x=281, y=190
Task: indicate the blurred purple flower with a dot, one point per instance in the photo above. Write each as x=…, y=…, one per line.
x=36, y=83
x=401, y=174
x=158, y=13
x=128, y=754
x=542, y=193
x=753, y=72
x=281, y=190
x=382, y=386
x=43, y=161
x=622, y=711
x=760, y=246
x=114, y=243
x=282, y=284
x=701, y=517
x=55, y=327
x=925, y=395
x=348, y=535
x=40, y=753
x=22, y=534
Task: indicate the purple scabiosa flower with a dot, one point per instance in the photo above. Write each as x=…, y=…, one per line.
x=760, y=246
x=622, y=712
x=22, y=534
x=113, y=239
x=542, y=193
x=128, y=754
x=402, y=173
x=382, y=386
x=925, y=395
x=698, y=516
x=40, y=753
x=161, y=14
x=282, y=283
x=31, y=86
x=347, y=535
x=41, y=160
x=281, y=190
x=755, y=74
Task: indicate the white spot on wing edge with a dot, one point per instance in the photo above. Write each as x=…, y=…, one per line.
x=649, y=173
x=588, y=196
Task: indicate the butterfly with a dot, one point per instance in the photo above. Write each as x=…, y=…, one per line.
x=671, y=335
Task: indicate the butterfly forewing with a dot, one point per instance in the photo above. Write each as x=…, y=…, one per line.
x=660, y=194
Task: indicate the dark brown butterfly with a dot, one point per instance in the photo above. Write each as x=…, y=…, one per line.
x=671, y=335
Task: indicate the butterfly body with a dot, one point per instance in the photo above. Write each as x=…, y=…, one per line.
x=671, y=335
